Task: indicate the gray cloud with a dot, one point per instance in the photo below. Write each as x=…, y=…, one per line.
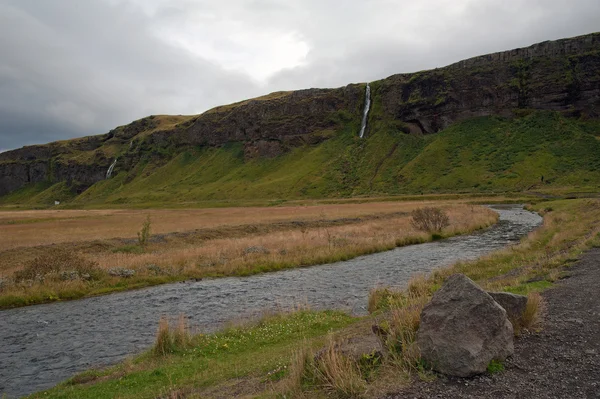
x=74, y=68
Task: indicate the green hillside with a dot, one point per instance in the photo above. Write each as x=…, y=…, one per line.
x=481, y=155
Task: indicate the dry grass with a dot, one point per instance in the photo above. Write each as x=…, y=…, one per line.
x=292, y=247
x=337, y=373
x=34, y=228
x=328, y=370
x=534, y=312
x=402, y=320
x=185, y=256
x=170, y=339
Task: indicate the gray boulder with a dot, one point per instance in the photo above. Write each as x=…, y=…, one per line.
x=513, y=304
x=462, y=329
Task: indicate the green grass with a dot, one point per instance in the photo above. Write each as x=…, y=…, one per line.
x=239, y=353
x=495, y=367
x=487, y=155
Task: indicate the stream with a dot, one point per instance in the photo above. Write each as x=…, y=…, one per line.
x=43, y=345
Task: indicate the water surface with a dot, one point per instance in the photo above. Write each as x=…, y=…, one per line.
x=45, y=344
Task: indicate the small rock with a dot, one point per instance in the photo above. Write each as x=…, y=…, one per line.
x=69, y=275
x=358, y=348
x=121, y=272
x=462, y=329
x=514, y=304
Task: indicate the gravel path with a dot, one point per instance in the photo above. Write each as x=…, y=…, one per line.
x=561, y=361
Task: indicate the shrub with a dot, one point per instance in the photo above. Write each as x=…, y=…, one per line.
x=144, y=233
x=431, y=220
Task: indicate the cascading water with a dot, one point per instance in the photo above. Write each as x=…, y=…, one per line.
x=110, y=169
x=363, y=125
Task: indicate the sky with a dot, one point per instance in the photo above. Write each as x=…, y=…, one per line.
x=71, y=68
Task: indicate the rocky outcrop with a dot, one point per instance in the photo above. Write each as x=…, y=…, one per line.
x=560, y=75
x=463, y=329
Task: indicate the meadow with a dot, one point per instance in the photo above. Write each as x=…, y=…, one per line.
x=66, y=254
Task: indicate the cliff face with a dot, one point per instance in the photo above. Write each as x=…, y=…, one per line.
x=561, y=75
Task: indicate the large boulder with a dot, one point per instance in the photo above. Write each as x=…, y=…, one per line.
x=463, y=329
x=514, y=304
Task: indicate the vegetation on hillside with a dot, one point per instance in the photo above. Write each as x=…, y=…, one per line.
x=539, y=151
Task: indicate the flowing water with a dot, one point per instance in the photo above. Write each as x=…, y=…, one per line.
x=363, y=124
x=110, y=169
x=45, y=344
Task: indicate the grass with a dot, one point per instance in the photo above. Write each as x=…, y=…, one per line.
x=481, y=155
x=224, y=251
x=248, y=354
x=276, y=357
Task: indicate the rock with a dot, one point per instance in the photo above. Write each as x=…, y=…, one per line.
x=513, y=304
x=121, y=272
x=256, y=250
x=69, y=275
x=358, y=348
x=462, y=329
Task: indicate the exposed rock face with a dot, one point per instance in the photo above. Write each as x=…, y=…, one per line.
x=560, y=75
x=556, y=75
x=513, y=304
x=462, y=329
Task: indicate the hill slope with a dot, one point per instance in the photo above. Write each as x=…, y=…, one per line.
x=471, y=126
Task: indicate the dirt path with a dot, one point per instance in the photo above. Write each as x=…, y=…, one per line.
x=562, y=361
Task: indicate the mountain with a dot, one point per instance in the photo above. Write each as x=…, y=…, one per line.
x=508, y=121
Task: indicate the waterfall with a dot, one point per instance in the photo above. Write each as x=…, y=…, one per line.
x=110, y=169
x=363, y=125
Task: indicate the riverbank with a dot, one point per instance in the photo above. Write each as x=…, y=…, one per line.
x=559, y=361
x=570, y=227
x=276, y=239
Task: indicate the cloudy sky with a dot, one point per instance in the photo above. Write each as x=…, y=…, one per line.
x=70, y=68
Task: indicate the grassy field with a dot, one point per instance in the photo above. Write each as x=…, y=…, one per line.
x=53, y=255
x=271, y=359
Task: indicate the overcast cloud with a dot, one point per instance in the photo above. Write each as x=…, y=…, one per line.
x=71, y=68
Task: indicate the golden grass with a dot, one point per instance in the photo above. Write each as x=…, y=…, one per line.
x=337, y=373
x=299, y=247
x=534, y=312
x=171, y=338
x=181, y=257
x=44, y=227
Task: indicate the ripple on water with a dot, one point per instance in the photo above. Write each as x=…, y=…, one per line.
x=45, y=344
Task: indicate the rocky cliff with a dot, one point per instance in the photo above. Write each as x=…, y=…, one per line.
x=561, y=75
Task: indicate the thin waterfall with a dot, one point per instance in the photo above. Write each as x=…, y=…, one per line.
x=363, y=125
x=110, y=169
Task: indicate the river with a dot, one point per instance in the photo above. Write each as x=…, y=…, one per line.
x=45, y=344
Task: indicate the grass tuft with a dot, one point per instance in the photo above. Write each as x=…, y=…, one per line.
x=171, y=339
x=534, y=312
x=335, y=372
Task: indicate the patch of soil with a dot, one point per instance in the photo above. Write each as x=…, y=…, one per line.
x=561, y=361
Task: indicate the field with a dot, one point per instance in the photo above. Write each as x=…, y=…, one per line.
x=271, y=359
x=66, y=254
